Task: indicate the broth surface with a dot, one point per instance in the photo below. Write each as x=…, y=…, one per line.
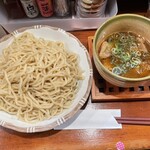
x=126, y=54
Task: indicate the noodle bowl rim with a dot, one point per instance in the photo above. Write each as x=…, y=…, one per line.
x=33, y=129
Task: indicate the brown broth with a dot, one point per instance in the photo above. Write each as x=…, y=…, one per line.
x=126, y=54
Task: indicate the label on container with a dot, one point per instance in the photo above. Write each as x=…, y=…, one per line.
x=45, y=7
x=30, y=8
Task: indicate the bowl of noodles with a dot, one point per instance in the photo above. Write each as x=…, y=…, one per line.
x=121, y=50
x=45, y=75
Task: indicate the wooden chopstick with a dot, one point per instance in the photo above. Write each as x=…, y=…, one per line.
x=133, y=121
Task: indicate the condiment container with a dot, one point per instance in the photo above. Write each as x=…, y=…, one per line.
x=30, y=8
x=90, y=8
x=61, y=8
x=45, y=7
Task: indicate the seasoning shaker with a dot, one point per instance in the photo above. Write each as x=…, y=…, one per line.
x=45, y=7
x=30, y=8
x=61, y=7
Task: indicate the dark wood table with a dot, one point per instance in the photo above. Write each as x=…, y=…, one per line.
x=133, y=136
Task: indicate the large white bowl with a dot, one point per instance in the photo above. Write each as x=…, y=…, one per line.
x=72, y=44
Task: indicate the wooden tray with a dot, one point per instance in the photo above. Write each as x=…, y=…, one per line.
x=104, y=91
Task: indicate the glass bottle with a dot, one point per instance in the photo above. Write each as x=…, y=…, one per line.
x=45, y=7
x=30, y=8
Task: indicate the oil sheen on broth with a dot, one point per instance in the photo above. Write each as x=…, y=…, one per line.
x=126, y=54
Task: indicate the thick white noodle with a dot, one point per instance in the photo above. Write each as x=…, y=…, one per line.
x=38, y=78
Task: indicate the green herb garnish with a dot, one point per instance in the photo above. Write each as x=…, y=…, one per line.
x=125, y=54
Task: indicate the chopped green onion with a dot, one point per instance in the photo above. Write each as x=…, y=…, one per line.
x=123, y=39
x=126, y=57
x=127, y=64
x=117, y=70
x=116, y=51
x=138, y=53
x=132, y=65
x=136, y=60
x=125, y=53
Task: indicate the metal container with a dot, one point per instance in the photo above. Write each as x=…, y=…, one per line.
x=62, y=7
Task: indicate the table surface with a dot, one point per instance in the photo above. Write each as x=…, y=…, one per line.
x=133, y=136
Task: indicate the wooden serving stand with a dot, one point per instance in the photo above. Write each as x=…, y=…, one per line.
x=104, y=91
